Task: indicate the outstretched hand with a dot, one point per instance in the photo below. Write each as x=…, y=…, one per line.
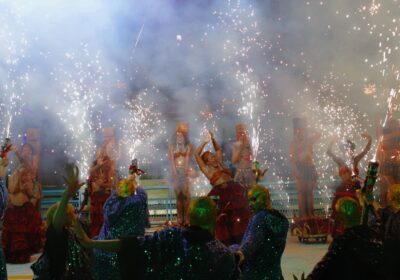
x=72, y=179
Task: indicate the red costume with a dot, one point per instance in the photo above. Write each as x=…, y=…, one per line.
x=233, y=210
x=22, y=234
x=100, y=188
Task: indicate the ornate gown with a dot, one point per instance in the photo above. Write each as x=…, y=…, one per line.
x=176, y=253
x=122, y=217
x=22, y=227
x=263, y=245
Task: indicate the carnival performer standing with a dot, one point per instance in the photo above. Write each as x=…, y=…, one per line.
x=125, y=214
x=101, y=184
x=389, y=157
x=350, y=181
x=242, y=157
x=3, y=201
x=233, y=211
x=190, y=253
x=354, y=159
x=301, y=157
x=63, y=257
x=265, y=239
x=180, y=152
x=22, y=232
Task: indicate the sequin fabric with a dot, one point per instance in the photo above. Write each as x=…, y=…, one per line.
x=122, y=217
x=174, y=253
x=263, y=245
x=64, y=258
x=3, y=207
x=357, y=254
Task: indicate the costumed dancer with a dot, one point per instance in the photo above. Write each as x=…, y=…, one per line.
x=242, y=158
x=101, y=184
x=301, y=157
x=350, y=180
x=180, y=153
x=22, y=227
x=354, y=159
x=233, y=211
x=3, y=199
x=265, y=239
x=125, y=214
x=389, y=157
x=63, y=257
x=174, y=253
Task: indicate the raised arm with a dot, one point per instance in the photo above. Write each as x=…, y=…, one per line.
x=3, y=166
x=217, y=148
x=360, y=156
x=236, y=152
x=199, y=160
x=73, y=185
x=335, y=158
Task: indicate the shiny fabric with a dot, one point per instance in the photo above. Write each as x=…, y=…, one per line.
x=3, y=207
x=263, y=245
x=122, y=217
x=357, y=254
x=175, y=253
x=63, y=258
x=22, y=233
x=233, y=212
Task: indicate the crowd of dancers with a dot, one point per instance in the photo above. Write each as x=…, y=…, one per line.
x=232, y=233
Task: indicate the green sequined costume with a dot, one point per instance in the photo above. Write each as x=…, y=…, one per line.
x=122, y=217
x=174, y=253
x=263, y=245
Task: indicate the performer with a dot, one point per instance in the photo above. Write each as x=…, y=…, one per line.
x=63, y=257
x=265, y=238
x=180, y=153
x=3, y=201
x=354, y=159
x=389, y=157
x=357, y=254
x=125, y=213
x=348, y=185
x=301, y=158
x=232, y=205
x=101, y=184
x=174, y=253
x=242, y=157
x=22, y=232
